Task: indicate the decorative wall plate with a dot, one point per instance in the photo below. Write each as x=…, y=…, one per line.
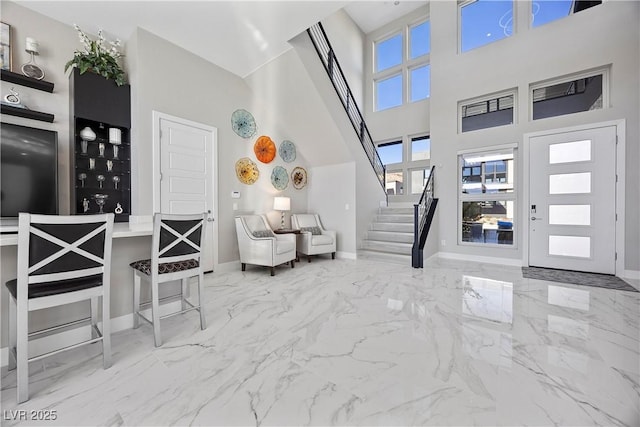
x=299, y=178
x=287, y=151
x=279, y=178
x=243, y=123
x=265, y=149
x=247, y=171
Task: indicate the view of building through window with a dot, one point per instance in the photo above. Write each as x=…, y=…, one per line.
x=487, y=197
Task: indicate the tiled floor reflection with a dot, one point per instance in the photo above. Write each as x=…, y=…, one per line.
x=341, y=342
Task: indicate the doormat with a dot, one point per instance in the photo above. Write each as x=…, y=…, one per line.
x=577, y=278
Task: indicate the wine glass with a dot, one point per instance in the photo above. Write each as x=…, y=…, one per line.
x=100, y=179
x=116, y=180
x=82, y=176
x=100, y=199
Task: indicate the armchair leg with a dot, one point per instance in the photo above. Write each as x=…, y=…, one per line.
x=293, y=264
x=244, y=266
x=333, y=255
x=308, y=258
x=273, y=271
x=136, y=300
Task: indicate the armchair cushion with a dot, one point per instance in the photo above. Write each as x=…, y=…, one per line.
x=314, y=230
x=262, y=233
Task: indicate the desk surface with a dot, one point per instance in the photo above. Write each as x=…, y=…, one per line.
x=120, y=230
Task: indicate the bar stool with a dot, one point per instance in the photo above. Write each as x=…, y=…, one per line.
x=61, y=260
x=175, y=255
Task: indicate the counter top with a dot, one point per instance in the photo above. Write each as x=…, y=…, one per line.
x=120, y=230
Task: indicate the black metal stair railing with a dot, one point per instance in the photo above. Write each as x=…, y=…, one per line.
x=423, y=213
x=332, y=66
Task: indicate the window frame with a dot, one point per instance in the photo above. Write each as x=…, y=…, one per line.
x=488, y=97
x=463, y=3
x=489, y=197
x=404, y=68
x=606, y=93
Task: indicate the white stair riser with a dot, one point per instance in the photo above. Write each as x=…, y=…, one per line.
x=401, y=227
x=394, y=248
x=406, y=219
x=386, y=236
x=396, y=211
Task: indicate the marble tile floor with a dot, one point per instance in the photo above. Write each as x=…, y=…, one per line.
x=343, y=342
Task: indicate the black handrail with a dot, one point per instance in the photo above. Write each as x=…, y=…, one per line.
x=422, y=215
x=336, y=75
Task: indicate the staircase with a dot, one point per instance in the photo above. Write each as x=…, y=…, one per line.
x=390, y=236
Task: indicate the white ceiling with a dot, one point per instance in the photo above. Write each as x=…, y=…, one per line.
x=239, y=36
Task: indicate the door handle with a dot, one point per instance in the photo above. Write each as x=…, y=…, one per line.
x=534, y=218
x=210, y=219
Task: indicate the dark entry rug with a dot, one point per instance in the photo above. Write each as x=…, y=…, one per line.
x=577, y=278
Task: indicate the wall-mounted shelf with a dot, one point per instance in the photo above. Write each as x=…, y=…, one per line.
x=19, y=79
x=24, y=112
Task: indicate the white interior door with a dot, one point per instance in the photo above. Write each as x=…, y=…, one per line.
x=187, y=174
x=572, y=200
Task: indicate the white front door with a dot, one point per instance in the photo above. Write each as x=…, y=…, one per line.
x=187, y=153
x=572, y=200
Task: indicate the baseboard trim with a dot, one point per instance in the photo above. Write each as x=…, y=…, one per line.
x=346, y=255
x=72, y=336
x=631, y=274
x=483, y=259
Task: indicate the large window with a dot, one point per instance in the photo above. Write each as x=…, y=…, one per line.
x=484, y=21
x=390, y=152
x=407, y=162
x=487, y=197
x=401, y=67
x=421, y=148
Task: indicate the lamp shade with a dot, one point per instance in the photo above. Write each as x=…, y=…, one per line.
x=282, y=203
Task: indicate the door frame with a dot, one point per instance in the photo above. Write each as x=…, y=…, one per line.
x=620, y=126
x=157, y=117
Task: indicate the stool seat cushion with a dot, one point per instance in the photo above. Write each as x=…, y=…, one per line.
x=168, y=267
x=54, y=288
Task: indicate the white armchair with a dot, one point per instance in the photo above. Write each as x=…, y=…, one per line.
x=313, y=238
x=259, y=245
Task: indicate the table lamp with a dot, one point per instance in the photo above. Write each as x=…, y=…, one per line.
x=282, y=204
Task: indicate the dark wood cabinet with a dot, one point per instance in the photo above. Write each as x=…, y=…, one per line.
x=100, y=167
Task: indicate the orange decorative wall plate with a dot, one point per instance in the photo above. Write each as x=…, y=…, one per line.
x=265, y=149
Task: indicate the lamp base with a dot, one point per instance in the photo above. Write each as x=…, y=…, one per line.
x=281, y=220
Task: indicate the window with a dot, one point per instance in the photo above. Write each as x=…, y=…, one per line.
x=389, y=92
x=483, y=22
x=420, y=148
x=419, y=179
x=487, y=197
x=420, y=40
x=394, y=182
x=581, y=92
x=390, y=152
x=401, y=66
x=545, y=11
x=420, y=83
x=487, y=112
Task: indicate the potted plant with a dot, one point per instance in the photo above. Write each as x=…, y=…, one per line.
x=98, y=57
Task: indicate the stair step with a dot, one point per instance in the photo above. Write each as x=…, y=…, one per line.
x=392, y=226
x=385, y=257
x=390, y=236
x=395, y=211
x=390, y=247
x=395, y=218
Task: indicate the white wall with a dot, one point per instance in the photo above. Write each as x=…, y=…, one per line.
x=605, y=34
x=333, y=197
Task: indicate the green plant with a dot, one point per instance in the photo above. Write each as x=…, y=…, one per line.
x=98, y=58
